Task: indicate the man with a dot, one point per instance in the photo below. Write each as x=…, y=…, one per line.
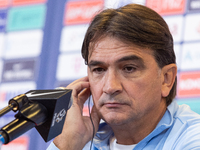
x=132, y=80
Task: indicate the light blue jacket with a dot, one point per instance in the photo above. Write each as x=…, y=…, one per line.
x=179, y=129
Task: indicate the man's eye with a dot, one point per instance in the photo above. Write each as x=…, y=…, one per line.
x=129, y=69
x=98, y=70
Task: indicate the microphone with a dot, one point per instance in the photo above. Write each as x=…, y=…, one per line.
x=15, y=104
x=43, y=109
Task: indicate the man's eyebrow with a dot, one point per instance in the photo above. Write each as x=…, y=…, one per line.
x=95, y=63
x=126, y=58
x=131, y=58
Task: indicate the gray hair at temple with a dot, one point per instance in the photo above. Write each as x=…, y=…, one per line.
x=138, y=25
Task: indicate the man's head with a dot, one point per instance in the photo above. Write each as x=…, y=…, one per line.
x=137, y=25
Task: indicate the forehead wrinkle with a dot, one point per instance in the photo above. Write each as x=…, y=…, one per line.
x=97, y=45
x=131, y=58
x=95, y=63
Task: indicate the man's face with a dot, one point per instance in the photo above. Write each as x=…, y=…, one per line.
x=125, y=81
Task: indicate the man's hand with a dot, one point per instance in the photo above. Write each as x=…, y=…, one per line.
x=78, y=129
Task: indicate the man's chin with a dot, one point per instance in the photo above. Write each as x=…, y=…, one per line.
x=114, y=120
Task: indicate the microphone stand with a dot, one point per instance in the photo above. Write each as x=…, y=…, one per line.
x=30, y=115
x=15, y=104
x=43, y=109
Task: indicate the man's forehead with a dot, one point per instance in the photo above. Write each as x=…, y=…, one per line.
x=119, y=54
x=108, y=43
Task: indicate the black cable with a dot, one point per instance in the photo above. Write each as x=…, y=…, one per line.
x=91, y=122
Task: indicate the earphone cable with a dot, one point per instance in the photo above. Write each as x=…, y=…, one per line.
x=92, y=123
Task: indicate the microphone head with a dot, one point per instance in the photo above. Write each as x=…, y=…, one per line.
x=57, y=102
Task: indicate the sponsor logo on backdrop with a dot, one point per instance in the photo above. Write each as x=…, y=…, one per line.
x=29, y=17
x=71, y=66
x=190, y=57
x=4, y=3
x=192, y=25
x=18, y=70
x=3, y=17
x=166, y=7
x=20, y=143
x=193, y=5
x=175, y=24
x=77, y=12
x=24, y=2
x=189, y=84
x=72, y=37
x=23, y=44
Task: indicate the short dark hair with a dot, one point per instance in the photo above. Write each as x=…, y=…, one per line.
x=135, y=24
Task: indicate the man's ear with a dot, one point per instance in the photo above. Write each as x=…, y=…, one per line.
x=169, y=74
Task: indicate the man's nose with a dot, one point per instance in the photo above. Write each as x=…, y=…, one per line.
x=112, y=83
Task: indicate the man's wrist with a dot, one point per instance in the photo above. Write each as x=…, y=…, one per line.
x=63, y=143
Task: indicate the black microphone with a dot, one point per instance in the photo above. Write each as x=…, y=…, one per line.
x=43, y=109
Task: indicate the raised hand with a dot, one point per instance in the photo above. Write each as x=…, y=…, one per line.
x=78, y=129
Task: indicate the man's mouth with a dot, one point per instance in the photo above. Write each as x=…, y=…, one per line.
x=113, y=105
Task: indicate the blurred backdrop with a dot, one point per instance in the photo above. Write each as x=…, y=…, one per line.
x=40, y=42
